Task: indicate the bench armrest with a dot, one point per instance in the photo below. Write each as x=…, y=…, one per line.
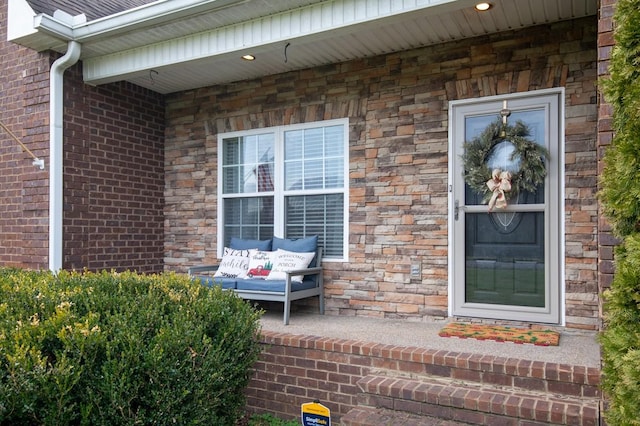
x=204, y=268
x=305, y=271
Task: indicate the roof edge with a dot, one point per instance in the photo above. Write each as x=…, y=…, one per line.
x=41, y=31
x=146, y=16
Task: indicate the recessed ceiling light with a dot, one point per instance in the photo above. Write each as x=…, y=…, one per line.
x=248, y=57
x=483, y=6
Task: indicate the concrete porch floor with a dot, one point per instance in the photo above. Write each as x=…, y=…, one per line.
x=576, y=347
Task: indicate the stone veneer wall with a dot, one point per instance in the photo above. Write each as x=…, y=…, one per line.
x=397, y=105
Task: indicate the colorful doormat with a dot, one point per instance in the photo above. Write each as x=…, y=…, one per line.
x=501, y=334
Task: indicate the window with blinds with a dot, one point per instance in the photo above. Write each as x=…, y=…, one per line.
x=288, y=181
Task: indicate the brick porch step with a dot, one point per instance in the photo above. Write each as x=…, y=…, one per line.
x=367, y=416
x=468, y=402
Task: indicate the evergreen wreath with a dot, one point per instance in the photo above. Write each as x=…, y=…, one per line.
x=532, y=157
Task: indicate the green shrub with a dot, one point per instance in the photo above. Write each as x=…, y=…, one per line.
x=620, y=184
x=122, y=349
x=620, y=195
x=621, y=338
x=270, y=420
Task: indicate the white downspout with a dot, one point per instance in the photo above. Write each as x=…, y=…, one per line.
x=56, y=152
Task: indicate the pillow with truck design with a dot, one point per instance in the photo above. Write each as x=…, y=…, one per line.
x=260, y=264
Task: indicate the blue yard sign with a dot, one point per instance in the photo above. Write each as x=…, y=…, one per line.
x=315, y=414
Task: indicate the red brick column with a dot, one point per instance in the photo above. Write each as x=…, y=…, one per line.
x=606, y=241
x=24, y=189
x=113, y=176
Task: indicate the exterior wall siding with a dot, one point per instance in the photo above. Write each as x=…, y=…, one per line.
x=24, y=188
x=114, y=176
x=113, y=168
x=606, y=240
x=398, y=110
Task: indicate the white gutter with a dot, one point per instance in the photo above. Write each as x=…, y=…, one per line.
x=56, y=152
x=140, y=17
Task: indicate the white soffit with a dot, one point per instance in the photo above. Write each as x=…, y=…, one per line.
x=216, y=52
x=312, y=35
x=175, y=45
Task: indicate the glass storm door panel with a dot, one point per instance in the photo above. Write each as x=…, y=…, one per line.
x=505, y=263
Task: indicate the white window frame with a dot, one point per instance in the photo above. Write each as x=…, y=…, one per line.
x=279, y=193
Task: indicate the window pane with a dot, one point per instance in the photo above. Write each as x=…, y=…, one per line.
x=314, y=158
x=250, y=218
x=334, y=143
x=294, y=145
x=334, y=169
x=231, y=149
x=334, y=159
x=248, y=164
x=500, y=156
x=249, y=149
x=313, y=174
x=231, y=180
x=314, y=143
x=264, y=177
x=504, y=260
x=293, y=175
x=321, y=215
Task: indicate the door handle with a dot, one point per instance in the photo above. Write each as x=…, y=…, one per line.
x=456, y=209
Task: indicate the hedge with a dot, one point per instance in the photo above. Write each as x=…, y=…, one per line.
x=122, y=349
x=620, y=196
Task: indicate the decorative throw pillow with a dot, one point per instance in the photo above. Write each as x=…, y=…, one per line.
x=242, y=244
x=233, y=264
x=298, y=245
x=260, y=264
x=289, y=261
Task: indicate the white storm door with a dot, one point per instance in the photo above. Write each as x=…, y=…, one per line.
x=506, y=264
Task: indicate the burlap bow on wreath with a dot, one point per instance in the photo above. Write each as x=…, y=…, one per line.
x=498, y=186
x=499, y=183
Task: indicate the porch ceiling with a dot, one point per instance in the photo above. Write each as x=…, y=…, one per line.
x=168, y=49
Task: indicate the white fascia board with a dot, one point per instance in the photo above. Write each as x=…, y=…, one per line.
x=284, y=26
x=146, y=16
x=24, y=25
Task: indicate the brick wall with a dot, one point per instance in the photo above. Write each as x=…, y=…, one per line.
x=113, y=176
x=397, y=105
x=606, y=240
x=114, y=168
x=24, y=188
x=296, y=369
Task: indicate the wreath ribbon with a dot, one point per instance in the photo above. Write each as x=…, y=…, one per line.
x=499, y=183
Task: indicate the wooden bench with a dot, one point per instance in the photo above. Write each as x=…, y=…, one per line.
x=285, y=291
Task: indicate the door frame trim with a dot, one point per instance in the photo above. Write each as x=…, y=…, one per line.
x=560, y=304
